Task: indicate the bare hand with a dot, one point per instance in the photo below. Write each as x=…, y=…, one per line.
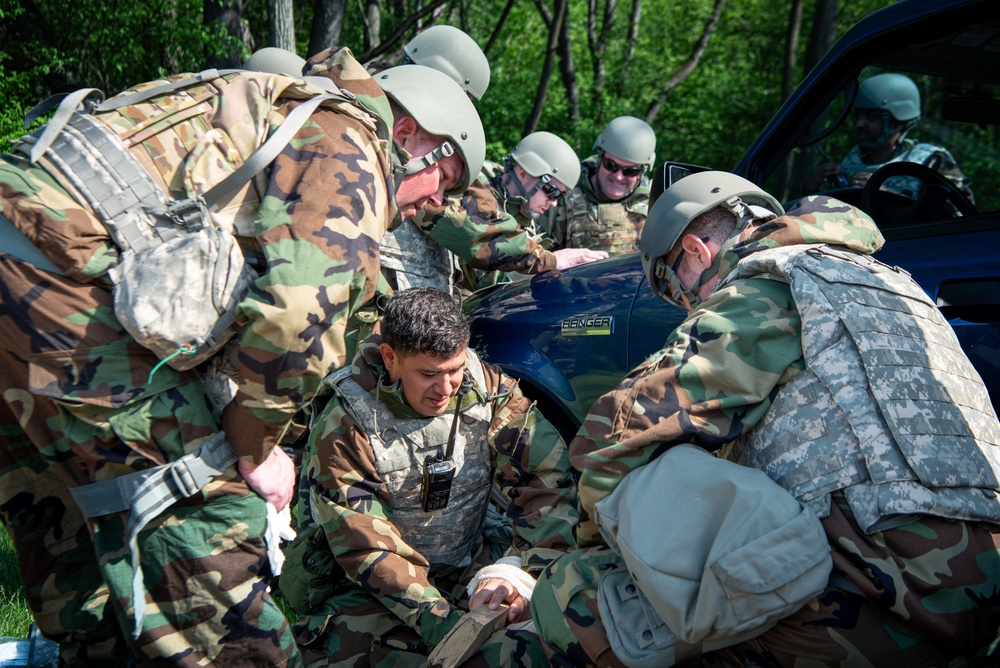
x=273, y=479
x=570, y=257
x=491, y=592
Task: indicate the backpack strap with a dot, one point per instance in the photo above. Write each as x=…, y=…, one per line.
x=135, y=211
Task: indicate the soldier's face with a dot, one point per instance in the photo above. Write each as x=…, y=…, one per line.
x=616, y=178
x=429, y=184
x=547, y=194
x=428, y=382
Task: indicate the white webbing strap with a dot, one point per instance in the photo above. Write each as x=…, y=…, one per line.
x=148, y=493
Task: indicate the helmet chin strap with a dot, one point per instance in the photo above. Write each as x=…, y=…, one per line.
x=403, y=165
x=522, y=194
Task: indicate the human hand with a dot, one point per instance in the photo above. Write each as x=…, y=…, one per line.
x=492, y=592
x=273, y=479
x=859, y=179
x=828, y=171
x=570, y=257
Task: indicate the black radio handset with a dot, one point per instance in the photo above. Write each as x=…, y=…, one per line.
x=439, y=470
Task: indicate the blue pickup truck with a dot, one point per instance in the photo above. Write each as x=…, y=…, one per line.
x=572, y=336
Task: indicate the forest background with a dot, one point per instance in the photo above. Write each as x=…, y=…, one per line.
x=706, y=74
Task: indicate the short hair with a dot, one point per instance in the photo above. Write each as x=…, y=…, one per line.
x=717, y=224
x=424, y=320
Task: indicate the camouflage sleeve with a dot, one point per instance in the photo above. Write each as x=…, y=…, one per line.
x=475, y=229
x=348, y=498
x=534, y=473
x=319, y=224
x=713, y=381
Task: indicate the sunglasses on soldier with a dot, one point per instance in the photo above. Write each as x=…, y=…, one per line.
x=628, y=172
x=551, y=191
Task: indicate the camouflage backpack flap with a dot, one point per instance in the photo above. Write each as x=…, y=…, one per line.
x=199, y=134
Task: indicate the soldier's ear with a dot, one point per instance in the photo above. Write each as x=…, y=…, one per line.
x=405, y=132
x=388, y=357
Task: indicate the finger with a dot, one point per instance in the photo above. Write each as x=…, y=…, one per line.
x=500, y=595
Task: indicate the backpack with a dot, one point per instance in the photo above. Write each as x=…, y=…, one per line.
x=725, y=555
x=179, y=278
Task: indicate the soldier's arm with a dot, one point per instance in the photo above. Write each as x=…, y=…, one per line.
x=325, y=209
x=348, y=498
x=475, y=229
x=712, y=382
x=534, y=474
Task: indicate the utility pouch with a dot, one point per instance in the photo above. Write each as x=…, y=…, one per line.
x=179, y=298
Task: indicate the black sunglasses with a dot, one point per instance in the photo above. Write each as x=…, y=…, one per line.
x=628, y=172
x=551, y=191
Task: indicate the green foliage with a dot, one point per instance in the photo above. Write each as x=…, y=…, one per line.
x=51, y=46
x=15, y=617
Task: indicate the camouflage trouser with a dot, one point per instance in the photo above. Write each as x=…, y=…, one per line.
x=925, y=594
x=354, y=629
x=63, y=425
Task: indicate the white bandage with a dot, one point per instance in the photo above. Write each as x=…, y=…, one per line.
x=509, y=569
x=279, y=526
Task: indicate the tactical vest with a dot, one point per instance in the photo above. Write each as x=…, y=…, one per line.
x=888, y=409
x=614, y=227
x=907, y=186
x=447, y=537
x=416, y=260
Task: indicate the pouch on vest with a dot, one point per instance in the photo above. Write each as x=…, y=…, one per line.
x=184, y=290
x=717, y=553
x=310, y=574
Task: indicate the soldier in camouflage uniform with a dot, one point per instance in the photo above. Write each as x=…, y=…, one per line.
x=886, y=109
x=83, y=403
x=380, y=573
x=835, y=375
x=607, y=208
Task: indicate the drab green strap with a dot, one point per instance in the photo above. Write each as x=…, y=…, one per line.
x=146, y=494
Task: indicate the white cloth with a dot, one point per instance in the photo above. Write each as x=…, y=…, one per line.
x=279, y=526
x=509, y=569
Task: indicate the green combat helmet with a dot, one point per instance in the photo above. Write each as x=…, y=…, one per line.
x=897, y=97
x=441, y=108
x=674, y=210
x=546, y=157
x=628, y=138
x=450, y=50
x=543, y=154
x=273, y=60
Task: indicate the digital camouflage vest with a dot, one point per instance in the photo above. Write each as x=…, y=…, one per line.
x=888, y=409
x=411, y=259
x=447, y=537
x=582, y=220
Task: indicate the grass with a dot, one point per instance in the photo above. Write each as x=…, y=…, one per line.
x=15, y=618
